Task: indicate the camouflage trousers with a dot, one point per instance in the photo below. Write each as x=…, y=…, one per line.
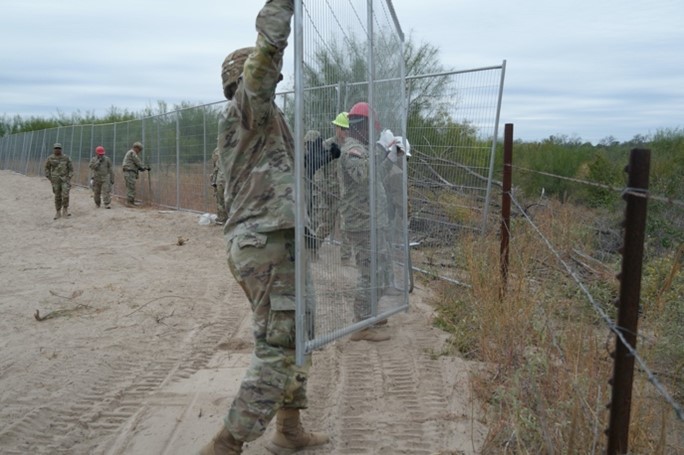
x=61, y=188
x=263, y=265
x=102, y=191
x=221, y=213
x=360, y=241
x=130, y=177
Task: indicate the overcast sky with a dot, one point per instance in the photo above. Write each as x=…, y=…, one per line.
x=581, y=68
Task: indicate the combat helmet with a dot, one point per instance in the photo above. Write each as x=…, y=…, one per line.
x=232, y=68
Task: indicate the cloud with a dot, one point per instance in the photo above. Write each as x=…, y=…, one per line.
x=573, y=67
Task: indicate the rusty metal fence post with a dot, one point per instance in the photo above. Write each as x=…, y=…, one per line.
x=628, y=304
x=506, y=206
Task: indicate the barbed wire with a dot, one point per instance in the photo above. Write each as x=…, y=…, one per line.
x=666, y=199
x=679, y=412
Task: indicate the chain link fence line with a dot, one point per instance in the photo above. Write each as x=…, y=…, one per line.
x=447, y=174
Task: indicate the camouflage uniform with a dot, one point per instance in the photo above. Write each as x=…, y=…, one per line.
x=131, y=166
x=355, y=209
x=102, y=175
x=218, y=182
x=257, y=158
x=59, y=170
x=326, y=201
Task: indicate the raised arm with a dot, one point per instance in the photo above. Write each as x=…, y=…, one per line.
x=261, y=72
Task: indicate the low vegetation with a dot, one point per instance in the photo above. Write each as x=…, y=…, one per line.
x=545, y=350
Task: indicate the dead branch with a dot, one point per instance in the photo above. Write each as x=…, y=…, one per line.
x=75, y=294
x=58, y=313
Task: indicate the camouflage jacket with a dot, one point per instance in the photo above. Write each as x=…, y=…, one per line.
x=101, y=169
x=59, y=168
x=326, y=180
x=355, y=187
x=217, y=177
x=255, y=143
x=132, y=162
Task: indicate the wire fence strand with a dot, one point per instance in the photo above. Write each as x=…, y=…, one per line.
x=679, y=411
x=666, y=199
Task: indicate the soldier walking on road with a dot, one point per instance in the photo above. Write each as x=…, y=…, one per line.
x=257, y=156
x=59, y=170
x=102, y=177
x=131, y=166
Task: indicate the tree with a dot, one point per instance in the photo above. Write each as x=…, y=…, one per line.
x=338, y=72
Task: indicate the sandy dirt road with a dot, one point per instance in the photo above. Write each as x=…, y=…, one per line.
x=146, y=342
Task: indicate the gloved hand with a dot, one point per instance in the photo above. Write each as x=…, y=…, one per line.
x=335, y=151
x=90, y=184
x=399, y=141
x=386, y=139
x=148, y=169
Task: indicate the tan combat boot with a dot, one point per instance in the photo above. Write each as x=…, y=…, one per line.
x=58, y=214
x=65, y=211
x=290, y=436
x=370, y=334
x=223, y=443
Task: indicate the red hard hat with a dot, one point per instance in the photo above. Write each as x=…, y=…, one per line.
x=100, y=150
x=362, y=109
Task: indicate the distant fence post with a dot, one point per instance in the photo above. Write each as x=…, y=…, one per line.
x=506, y=206
x=177, y=162
x=630, y=289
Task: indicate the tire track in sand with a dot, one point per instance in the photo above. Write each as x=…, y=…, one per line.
x=116, y=394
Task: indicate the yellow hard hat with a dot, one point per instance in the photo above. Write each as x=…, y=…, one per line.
x=342, y=120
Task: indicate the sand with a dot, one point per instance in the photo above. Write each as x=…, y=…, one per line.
x=145, y=340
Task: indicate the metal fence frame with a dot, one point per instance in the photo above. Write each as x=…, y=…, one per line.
x=178, y=145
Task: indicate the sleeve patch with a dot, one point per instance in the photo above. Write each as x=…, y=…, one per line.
x=355, y=152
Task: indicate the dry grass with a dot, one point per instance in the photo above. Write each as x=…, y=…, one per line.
x=161, y=187
x=547, y=388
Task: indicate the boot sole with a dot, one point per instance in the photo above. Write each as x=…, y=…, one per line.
x=278, y=450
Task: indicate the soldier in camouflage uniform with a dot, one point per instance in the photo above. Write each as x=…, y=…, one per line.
x=326, y=194
x=257, y=157
x=102, y=177
x=218, y=183
x=131, y=166
x=354, y=177
x=59, y=170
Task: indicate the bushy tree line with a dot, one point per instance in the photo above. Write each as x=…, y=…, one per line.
x=18, y=124
x=570, y=161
